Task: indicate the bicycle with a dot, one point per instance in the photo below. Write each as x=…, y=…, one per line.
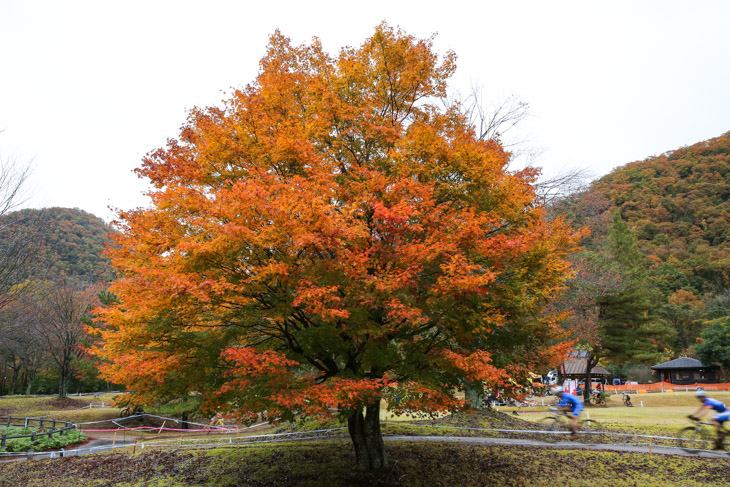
x=216, y=424
x=701, y=436
x=599, y=399
x=557, y=421
x=627, y=401
x=131, y=411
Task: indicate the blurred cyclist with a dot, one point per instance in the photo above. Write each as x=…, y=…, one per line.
x=570, y=405
x=723, y=414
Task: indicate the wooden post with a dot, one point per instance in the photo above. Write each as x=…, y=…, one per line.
x=26, y=423
x=114, y=440
x=2, y=441
x=9, y=418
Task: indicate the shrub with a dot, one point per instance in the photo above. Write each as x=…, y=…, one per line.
x=42, y=442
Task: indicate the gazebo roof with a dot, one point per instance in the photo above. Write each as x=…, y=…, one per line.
x=577, y=366
x=680, y=363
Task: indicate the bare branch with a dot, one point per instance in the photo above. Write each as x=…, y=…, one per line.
x=563, y=184
x=13, y=179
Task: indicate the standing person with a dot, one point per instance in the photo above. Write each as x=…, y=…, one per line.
x=570, y=405
x=723, y=414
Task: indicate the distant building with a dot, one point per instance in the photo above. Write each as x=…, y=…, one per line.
x=574, y=368
x=684, y=370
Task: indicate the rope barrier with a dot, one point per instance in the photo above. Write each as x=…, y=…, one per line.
x=290, y=436
x=134, y=416
x=299, y=436
x=607, y=433
x=139, y=428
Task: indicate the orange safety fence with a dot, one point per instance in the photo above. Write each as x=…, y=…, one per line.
x=666, y=386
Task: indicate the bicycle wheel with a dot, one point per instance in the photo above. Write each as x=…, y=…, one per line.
x=125, y=412
x=552, y=425
x=592, y=429
x=725, y=442
x=693, y=439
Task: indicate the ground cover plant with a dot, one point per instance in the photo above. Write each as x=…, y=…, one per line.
x=41, y=443
x=331, y=463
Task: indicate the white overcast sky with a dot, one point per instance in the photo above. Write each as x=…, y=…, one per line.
x=88, y=87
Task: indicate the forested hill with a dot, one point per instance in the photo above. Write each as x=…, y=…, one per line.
x=68, y=242
x=678, y=208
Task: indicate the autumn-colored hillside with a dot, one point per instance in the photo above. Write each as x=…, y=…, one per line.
x=68, y=241
x=652, y=281
x=678, y=207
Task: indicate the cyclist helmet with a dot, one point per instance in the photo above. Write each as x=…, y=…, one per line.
x=700, y=394
x=556, y=390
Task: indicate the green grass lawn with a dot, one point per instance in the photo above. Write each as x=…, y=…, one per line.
x=652, y=399
x=663, y=413
x=43, y=406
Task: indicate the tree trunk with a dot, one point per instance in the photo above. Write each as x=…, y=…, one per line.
x=62, y=384
x=591, y=362
x=367, y=439
x=30, y=375
x=14, y=380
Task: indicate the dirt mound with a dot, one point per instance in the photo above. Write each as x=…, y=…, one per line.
x=66, y=403
x=485, y=418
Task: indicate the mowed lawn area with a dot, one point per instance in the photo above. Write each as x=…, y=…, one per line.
x=73, y=408
x=662, y=412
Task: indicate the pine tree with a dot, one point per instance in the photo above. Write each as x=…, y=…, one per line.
x=631, y=332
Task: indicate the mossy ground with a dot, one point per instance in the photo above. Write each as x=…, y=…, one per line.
x=330, y=463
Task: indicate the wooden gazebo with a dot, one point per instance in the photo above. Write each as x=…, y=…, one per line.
x=575, y=368
x=685, y=370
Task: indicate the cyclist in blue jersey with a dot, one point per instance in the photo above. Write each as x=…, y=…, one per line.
x=570, y=405
x=722, y=415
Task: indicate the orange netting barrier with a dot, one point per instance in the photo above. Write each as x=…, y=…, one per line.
x=666, y=386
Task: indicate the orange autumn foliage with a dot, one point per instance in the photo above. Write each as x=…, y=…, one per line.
x=328, y=237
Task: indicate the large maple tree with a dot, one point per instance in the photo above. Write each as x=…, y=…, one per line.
x=328, y=238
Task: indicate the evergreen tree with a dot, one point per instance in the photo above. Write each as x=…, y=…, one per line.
x=715, y=346
x=631, y=332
